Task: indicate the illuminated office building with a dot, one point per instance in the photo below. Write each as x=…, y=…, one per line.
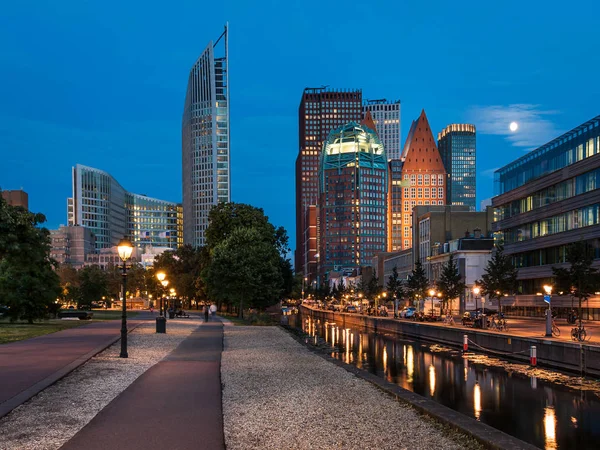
x=352, y=199
x=386, y=116
x=321, y=110
x=457, y=146
x=205, y=139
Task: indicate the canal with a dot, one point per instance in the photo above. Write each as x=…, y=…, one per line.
x=535, y=405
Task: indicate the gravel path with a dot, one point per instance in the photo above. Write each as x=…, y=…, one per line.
x=279, y=395
x=53, y=416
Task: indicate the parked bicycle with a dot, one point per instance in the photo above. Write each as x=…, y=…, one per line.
x=579, y=334
x=449, y=320
x=502, y=324
x=555, y=329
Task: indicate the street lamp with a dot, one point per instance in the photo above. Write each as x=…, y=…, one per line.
x=476, y=291
x=172, y=292
x=304, y=279
x=161, y=277
x=125, y=248
x=548, y=298
x=432, y=294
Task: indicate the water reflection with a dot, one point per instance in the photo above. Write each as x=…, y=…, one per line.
x=533, y=409
x=550, y=428
x=477, y=400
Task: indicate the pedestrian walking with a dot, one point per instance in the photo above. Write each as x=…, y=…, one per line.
x=213, y=309
x=206, y=313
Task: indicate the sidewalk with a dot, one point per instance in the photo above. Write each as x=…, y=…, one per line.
x=28, y=367
x=176, y=404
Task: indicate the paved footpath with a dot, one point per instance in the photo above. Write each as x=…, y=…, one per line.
x=27, y=367
x=176, y=404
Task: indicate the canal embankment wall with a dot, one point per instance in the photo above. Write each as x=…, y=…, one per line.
x=573, y=357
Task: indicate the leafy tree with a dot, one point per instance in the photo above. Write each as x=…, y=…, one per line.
x=417, y=282
x=69, y=283
x=114, y=278
x=395, y=286
x=580, y=280
x=29, y=285
x=450, y=283
x=372, y=288
x=93, y=285
x=500, y=276
x=245, y=270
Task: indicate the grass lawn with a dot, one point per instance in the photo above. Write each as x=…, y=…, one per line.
x=263, y=321
x=111, y=314
x=11, y=332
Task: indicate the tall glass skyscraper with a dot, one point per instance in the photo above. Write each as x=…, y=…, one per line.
x=352, y=198
x=101, y=204
x=457, y=146
x=205, y=139
x=386, y=115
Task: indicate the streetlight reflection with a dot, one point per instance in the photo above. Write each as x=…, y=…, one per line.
x=477, y=400
x=410, y=364
x=550, y=428
x=431, y=379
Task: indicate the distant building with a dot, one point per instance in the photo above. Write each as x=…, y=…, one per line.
x=423, y=177
x=321, y=110
x=485, y=203
x=101, y=204
x=437, y=225
x=546, y=200
x=457, y=146
x=395, y=207
x=205, y=139
x=16, y=198
x=352, y=199
x=72, y=245
x=386, y=116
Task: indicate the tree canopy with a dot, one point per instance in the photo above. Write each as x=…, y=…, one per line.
x=500, y=276
x=450, y=283
x=417, y=282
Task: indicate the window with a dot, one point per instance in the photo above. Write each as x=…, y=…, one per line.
x=433, y=180
x=427, y=192
x=441, y=179
x=427, y=179
x=441, y=192
x=420, y=193
x=420, y=178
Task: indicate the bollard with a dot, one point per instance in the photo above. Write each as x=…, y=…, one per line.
x=465, y=343
x=533, y=356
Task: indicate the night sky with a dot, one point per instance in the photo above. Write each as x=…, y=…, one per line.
x=102, y=83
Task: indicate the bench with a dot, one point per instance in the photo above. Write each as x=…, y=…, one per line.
x=74, y=313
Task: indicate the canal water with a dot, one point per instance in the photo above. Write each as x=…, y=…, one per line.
x=535, y=409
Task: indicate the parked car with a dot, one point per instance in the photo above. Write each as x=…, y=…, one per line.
x=285, y=311
x=350, y=309
x=407, y=313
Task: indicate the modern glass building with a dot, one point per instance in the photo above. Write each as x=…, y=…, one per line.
x=457, y=146
x=101, y=204
x=205, y=139
x=353, y=184
x=546, y=200
x=386, y=116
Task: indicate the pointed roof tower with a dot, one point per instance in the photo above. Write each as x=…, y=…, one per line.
x=368, y=121
x=420, y=150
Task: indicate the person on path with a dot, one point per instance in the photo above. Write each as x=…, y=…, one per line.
x=206, y=313
x=213, y=309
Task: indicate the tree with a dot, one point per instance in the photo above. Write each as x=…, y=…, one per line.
x=372, y=288
x=245, y=270
x=450, y=283
x=93, y=285
x=417, y=282
x=69, y=283
x=29, y=285
x=395, y=286
x=500, y=276
x=580, y=280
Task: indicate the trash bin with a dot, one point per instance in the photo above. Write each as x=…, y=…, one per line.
x=171, y=314
x=161, y=324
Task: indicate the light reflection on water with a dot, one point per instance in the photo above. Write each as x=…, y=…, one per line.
x=543, y=413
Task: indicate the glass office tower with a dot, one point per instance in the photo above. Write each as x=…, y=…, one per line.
x=101, y=204
x=386, y=116
x=457, y=146
x=205, y=139
x=352, y=198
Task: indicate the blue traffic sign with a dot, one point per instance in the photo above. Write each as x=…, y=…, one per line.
x=547, y=299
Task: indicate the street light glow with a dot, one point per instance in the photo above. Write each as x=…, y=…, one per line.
x=548, y=289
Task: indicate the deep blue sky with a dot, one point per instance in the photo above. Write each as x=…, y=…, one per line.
x=102, y=83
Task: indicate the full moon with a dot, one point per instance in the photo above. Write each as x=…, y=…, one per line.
x=513, y=126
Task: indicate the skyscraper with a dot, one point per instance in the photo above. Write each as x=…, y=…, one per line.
x=423, y=175
x=456, y=144
x=101, y=204
x=352, y=198
x=205, y=139
x=386, y=115
x=321, y=110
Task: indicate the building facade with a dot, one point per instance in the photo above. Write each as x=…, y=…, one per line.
x=72, y=245
x=110, y=212
x=546, y=200
x=386, y=116
x=395, y=185
x=321, y=110
x=457, y=146
x=423, y=176
x=16, y=198
x=352, y=199
x=205, y=139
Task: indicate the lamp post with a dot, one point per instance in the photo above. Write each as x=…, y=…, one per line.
x=548, y=298
x=304, y=280
x=165, y=283
x=125, y=248
x=161, y=277
x=172, y=292
x=476, y=292
x=432, y=294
